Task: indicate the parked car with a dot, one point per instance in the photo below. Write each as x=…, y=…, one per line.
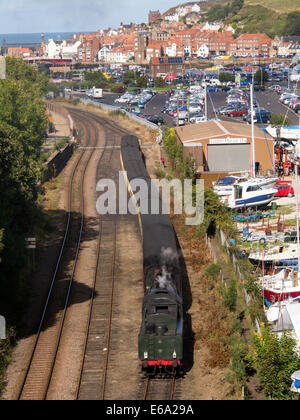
x=297, y=107
x=261, y=116
x=156, y=119
x=237, y=111
x=223, y=110
x=285, y=190
x=197, y=120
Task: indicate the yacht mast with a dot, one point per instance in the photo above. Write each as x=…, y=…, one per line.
x=252, y=131
x=297, y=199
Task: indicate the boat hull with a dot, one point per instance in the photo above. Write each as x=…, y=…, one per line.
x=258, y=201
x=288, y=133
x=271, y=296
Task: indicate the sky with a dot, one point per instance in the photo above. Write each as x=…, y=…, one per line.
x=36, y=16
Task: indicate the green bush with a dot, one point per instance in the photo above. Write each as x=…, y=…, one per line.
x=118, y=113
x=276, y=360
x=214, y=270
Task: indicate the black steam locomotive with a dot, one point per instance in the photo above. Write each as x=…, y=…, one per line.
x=161, y=335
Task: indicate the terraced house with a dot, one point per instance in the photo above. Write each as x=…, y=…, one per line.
x=250, y=45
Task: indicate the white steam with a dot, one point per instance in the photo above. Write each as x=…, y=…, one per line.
x=164, y=279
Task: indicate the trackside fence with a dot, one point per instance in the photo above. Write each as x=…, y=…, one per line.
x=133, y=117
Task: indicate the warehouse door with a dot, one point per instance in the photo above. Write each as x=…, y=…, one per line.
x=228, y=157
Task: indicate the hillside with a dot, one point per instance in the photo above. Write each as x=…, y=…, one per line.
x=203, y=5
x=273, y=17
x=282, y=6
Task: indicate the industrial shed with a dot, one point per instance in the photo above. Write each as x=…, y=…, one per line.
x=224, y=147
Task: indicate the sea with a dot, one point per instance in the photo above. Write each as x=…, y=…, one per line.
x=34, y=38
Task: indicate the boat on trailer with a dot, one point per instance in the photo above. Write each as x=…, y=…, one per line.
x=249, y=194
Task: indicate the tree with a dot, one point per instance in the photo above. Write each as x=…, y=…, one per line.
x=276, y=360
x=95, y=79
x=261, y=76
x=159, y=82
x=280, y=120
x=129, y=77
x=23, y=122
x=141, y=81
x=225, y=77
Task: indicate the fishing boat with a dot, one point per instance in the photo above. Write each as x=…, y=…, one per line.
x=249, y=194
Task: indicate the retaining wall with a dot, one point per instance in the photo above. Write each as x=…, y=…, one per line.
x=57, y=162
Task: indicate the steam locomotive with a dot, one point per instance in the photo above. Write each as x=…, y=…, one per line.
x=160, y=342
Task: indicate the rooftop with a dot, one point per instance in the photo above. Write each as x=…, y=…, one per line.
x=215, y=129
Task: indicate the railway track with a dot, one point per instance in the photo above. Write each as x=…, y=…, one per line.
x=94, y=367
x=41, y=364
x=99, y=346
x=99, y=356
x=159, y=389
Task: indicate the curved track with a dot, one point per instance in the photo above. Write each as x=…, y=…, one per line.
x=41, y=364
x=95, y=378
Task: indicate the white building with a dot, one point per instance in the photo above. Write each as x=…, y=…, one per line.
x=171, y=50
x=182, y=11
x=119, y=55
x=172, y=18
x=202, y=51
x=61, y=49
x=102, y=54
x=69, y=50
x=211, y=26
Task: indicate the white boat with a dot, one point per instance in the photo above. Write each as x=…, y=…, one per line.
x=285, y=316
x=225, y=186
x=281, y=286
x=284, y=252
x=288, y=133
x=249, y=194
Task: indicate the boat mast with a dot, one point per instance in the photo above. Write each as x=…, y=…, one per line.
x=297, y=200
x=205, y=102
x=252, y=131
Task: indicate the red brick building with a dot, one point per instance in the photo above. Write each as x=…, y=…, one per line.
x=89, y=48
x=153, y=16
x=167, y=65
x=250, y=45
